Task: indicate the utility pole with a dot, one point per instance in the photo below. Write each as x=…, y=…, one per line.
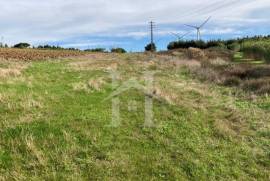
x=152, y=35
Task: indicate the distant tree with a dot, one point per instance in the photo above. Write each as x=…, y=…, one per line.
x=53, y=47
x=96, y=50
x=118, y=50
x=6, y=45
x=151, y=47
x=49, y=47
x=22, y=45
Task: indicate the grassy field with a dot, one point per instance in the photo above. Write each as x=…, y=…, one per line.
x=239, y=58
x=55, y=123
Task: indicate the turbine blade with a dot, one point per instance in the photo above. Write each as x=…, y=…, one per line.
x=192, y=26
x=175, y=35
x=185, y=34
x=205, y=22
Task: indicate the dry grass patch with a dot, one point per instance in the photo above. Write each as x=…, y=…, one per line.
x=95, y=84
x=223, y=128
x=105, y=62
x=25, y=103
x=33, y=150
x=162, y=93
x=103, y=65
x=11, y=69
x=80, y=86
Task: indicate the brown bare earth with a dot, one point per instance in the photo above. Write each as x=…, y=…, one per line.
x=35, y=54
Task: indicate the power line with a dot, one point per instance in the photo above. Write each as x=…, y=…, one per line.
x=213, y=7
x=202, y=8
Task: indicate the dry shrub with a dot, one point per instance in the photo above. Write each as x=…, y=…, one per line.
x=235, y=70
x=257, y=72
x=232, y=81
x=218, y=62
x=260, y=86
x=265, y=89
x=214, y=66
x=164, y=61
x=186, y=63
x=196, y=53
x=178, y=53
x=206, y=73
x=214, y=53
x=248, y=71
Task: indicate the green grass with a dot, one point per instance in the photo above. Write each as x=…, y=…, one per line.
x=51, y=131
x=239, y=59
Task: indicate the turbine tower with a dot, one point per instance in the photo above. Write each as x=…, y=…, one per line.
x=198, y=28
x=178, y=36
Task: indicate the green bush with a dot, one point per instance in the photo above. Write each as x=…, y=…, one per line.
x=151, y=47
x=259, y=49
x=22, y=45
x=196, y=44
x=234, y=47
x=96, y=50
x=118, y=50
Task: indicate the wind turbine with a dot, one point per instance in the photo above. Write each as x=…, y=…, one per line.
x=178, y=36
x=198, y=28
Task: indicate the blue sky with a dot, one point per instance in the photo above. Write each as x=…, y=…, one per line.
x=124, y=23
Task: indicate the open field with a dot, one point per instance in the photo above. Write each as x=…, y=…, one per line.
x=55, y=122
x=35, y=54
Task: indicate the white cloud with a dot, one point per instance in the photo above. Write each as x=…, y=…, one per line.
x=59, y=20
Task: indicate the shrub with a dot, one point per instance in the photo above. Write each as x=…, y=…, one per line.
x=195, y=44
x=232, y=81
x=265, y=89
x=49, y=47
x=22, y=45
x=234, y=47
x=96, y=50
x=259, y=49
x=258, y=72
x=118, y=50
x=195, y=53
x=151, y=47
x=256, y=84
